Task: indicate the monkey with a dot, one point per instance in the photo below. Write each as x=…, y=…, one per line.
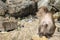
x=46, y=25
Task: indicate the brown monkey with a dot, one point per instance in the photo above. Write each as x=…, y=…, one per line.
x=47, y=26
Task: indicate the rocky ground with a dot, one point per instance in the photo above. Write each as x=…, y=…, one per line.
x=27, y=27
x=27, y=31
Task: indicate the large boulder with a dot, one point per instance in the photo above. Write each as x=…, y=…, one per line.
x=7, y=24
x=20, y=7
x=43, y=3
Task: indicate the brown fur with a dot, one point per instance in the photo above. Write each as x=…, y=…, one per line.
x=47, y=26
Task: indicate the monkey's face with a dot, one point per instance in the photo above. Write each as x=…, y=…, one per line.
x=41, y=10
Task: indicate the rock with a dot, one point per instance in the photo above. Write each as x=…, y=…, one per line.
x=1, y=21
x=3, y=8
x=12, y=19
x=43, y=3
x=56, y=4
x=52, y=1
x=21, y=7
x=36, y=37
x=56, y=16
x=9, y=26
